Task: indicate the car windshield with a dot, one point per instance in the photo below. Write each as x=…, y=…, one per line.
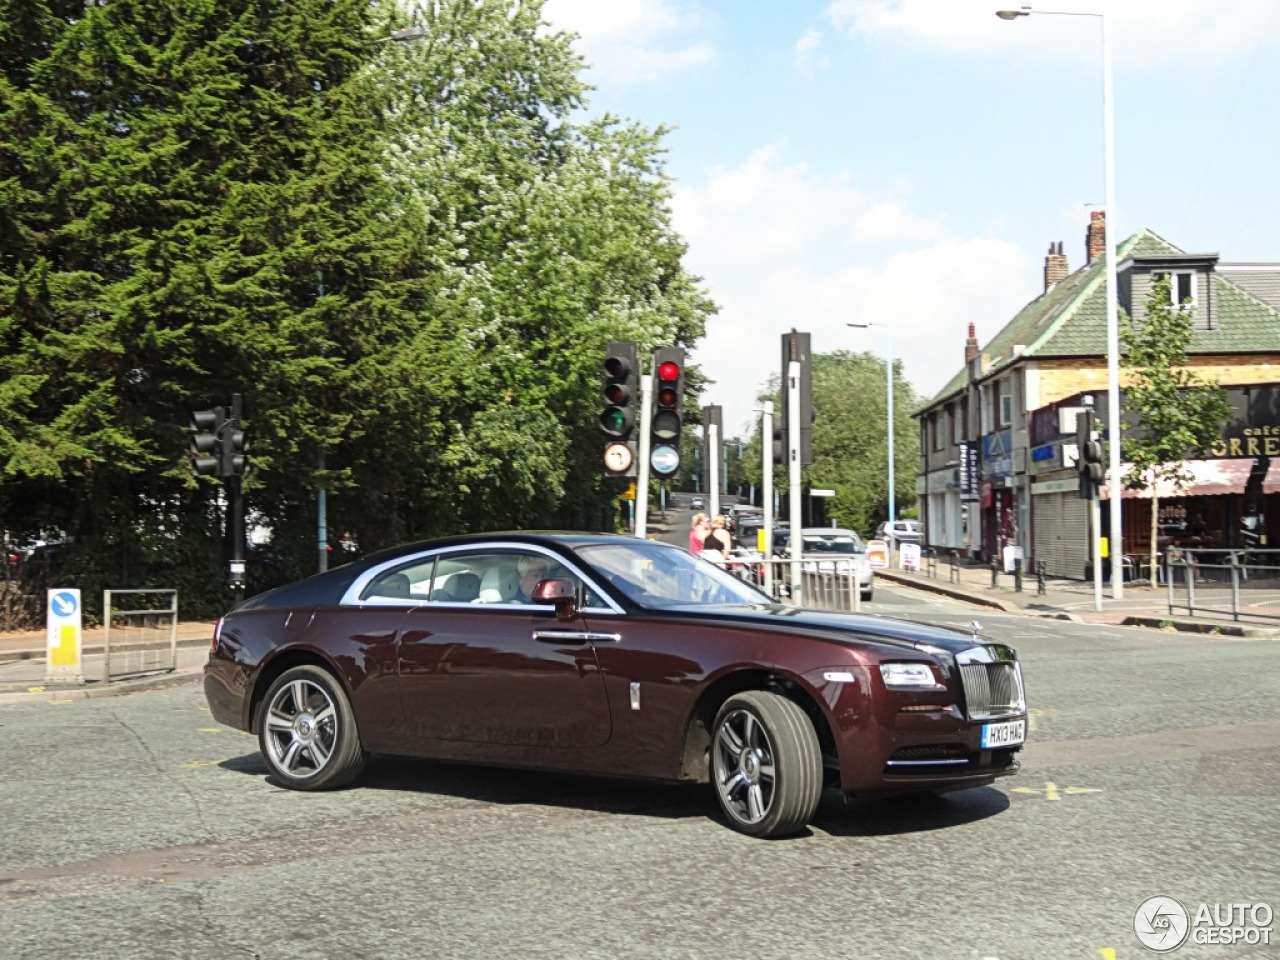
x=831, y=543
x=660, y=575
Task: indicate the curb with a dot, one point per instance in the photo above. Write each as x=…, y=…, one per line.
x=1211, y=629
x=954, y=593
x=10, y=656
x=55, y=693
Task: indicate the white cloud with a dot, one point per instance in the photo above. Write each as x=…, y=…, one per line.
x=806, y=53
x=632, y=40
x=781, y=246
x=1147, y=33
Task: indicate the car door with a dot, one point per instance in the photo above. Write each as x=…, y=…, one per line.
x=498, y=670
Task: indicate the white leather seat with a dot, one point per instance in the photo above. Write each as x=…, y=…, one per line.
x=499, y=584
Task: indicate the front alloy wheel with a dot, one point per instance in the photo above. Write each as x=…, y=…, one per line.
x=307, y=731
x=766, y=764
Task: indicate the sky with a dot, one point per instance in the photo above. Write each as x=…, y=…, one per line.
x=907, y=163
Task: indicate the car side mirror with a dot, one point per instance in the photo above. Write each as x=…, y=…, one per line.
x=562, y=593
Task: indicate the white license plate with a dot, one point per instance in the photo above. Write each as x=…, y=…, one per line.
x=1003, y=734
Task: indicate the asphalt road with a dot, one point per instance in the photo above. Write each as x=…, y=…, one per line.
x=136, y=827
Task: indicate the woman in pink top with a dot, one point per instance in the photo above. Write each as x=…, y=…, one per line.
x=699, y=527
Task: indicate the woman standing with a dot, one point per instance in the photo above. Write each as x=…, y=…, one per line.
x=699, y=527
x=718, y=544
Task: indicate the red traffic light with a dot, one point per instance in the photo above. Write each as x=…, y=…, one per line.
x=668, y=371
x=618, y=367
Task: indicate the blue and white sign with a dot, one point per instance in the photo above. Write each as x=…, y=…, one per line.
x=967, y=472
x=997, y=458
x=664, y=459
x=65, y=603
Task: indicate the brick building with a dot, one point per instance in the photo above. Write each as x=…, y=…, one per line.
x=998, y=441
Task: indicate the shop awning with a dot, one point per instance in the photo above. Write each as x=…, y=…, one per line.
x=1208, y=478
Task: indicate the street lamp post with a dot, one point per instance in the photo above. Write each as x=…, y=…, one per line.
x=893, y=511
x=1113, y=323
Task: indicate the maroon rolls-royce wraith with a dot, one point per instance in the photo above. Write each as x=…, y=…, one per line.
x=608, y=654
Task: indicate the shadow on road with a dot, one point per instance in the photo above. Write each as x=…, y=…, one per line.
x=907, y=813
x=910, y=813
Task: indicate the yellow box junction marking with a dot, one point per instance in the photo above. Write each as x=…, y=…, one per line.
x=1051, y=791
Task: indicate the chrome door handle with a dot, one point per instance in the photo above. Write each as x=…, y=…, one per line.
x=574, y=636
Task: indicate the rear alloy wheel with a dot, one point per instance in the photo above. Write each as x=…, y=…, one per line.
x=766, y=765
x=307, y=731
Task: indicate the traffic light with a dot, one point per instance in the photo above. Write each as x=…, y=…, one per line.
x=206, y=442
x=668, y=409
x=218, y=443
x=1089, y=456
x=618, y=419
x=795, y=347
x=233, y=463
x=712, y=416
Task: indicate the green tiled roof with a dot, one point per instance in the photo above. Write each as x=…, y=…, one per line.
x=1070, y=319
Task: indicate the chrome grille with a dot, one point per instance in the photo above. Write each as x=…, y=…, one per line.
x=992, y=689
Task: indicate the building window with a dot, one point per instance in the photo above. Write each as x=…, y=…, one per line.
x=1182, y=288
x=957, y=423
x=1006, y=403
x=937, y=430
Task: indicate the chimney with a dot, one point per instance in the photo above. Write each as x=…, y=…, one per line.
x=970, y=346
x=1055, y=266
x=1095, y=241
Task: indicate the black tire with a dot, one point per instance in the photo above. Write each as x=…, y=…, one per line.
x=307, y=731
x=866, y=594
x=766, y=765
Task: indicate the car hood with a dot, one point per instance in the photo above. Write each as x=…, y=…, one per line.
x=845, y=627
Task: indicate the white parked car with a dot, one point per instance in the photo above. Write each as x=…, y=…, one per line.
x=901, y=531
x=835, y=551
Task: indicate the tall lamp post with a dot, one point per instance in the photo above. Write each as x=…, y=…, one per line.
x=893, y=511
x=1113, y=324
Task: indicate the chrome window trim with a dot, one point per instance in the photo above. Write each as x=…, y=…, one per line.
x=351, y=597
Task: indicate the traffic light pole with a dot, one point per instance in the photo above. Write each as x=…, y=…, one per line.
x=1095, y=525
x=713, y=469
x=793, y=462
x=1086, y=444
x=235, y=523
x=766, y=477
x=645, y=451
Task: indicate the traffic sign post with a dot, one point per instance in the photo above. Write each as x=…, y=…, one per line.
x=63, y=659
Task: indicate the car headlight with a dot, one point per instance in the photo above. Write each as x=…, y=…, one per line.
x=908, y=676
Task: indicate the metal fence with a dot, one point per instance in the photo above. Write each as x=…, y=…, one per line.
x=142, y=638
x=824, y=584
x=1228, y=583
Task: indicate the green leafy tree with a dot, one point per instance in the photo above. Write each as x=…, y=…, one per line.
x=406, y=257
x=1179, y=415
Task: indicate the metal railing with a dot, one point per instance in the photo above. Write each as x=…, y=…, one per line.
x=1229, y=583
x=143, y=640
x=826, y=581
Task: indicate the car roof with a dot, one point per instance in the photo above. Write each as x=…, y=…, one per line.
x=333, y=582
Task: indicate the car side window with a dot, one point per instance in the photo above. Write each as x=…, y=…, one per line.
x=410, y=582
x=495, y=576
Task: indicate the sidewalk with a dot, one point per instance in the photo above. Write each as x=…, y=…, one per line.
x=22, y=665
x=1142, y=606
